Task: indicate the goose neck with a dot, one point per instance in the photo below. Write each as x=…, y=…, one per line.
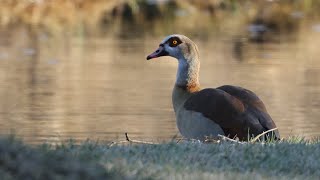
x=188, y=75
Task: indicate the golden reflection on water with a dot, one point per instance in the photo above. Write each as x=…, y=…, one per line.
x=99, y=87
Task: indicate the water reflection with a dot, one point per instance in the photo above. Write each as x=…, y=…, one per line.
x=101, y=86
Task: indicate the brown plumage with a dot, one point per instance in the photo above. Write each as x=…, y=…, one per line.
x=227, y=110
x=238, y=111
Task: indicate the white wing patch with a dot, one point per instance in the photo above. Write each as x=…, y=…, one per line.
x=194, y=125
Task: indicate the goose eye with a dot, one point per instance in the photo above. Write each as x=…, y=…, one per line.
x=174, y=42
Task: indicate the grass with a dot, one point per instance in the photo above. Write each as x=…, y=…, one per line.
x=294, y=158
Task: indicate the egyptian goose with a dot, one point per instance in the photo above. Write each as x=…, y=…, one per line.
x=227, y=110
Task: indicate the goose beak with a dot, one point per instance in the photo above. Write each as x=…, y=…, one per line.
x=158, y=53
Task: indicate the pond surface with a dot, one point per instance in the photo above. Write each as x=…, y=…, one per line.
x=101, y=86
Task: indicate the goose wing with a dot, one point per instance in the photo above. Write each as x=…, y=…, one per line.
x=238, y=111
x=254, y=105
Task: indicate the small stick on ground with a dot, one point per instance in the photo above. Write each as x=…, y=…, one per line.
x=127, y=138
x=136, y=141
x=225, y=138
x=257, y=137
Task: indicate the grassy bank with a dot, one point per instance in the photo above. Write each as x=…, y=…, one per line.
x=289, y=159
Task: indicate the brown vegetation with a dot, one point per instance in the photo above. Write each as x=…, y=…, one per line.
x=57, y=14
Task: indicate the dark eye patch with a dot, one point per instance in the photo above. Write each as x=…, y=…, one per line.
x=174, y=41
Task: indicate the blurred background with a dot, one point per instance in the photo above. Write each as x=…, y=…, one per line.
x=77, y=68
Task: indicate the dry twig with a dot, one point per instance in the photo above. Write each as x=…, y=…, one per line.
x=257, y=137
x=136, y=141
x=128, y=140
x=225, y=138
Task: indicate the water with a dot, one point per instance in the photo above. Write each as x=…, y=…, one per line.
x=53, y=88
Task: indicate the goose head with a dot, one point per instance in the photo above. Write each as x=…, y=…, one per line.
x=186, y=52
x=177, y=46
